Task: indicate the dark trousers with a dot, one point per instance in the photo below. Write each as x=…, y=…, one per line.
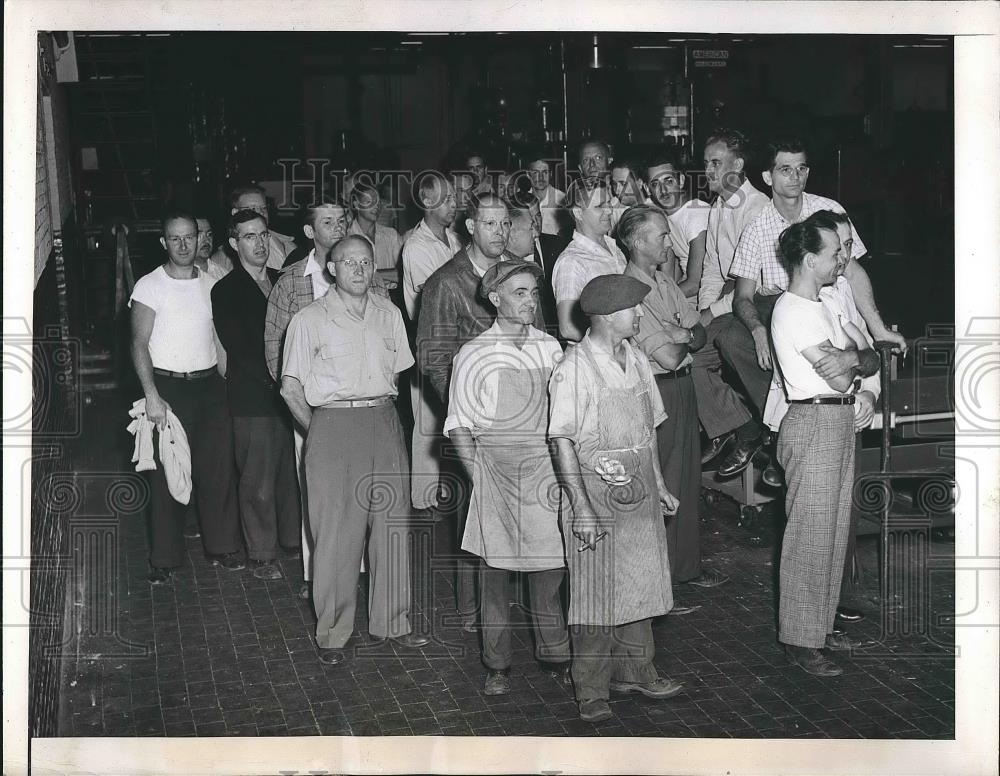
x=547, y=618
x=736, y=346
x=201, y=407
x=602, y=654
x=847, y=586
x=358, y=482
x=457, y=488
x=680, y=462
x=719, y=408
x=268, y=496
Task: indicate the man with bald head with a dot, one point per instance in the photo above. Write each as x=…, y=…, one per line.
x=342, y=358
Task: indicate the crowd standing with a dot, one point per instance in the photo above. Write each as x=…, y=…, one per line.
x=566, y=354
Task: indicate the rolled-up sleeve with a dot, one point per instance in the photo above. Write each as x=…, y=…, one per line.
x=746, y=262
x=569, y=398
x=298, y=350
x=470, y=393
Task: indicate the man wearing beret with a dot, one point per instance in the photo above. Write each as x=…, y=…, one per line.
x=669, y=330
x=603, y=410
x=497, y=418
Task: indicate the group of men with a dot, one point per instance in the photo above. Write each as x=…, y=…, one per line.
x=573, y=460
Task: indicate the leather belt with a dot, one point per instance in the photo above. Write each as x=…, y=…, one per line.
x=684, y=371
x=199, y=375
x=356, y=403
x=824, y=400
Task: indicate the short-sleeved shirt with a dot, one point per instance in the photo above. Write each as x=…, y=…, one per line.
x=582, y=261
x=797, y=324
x=551, y=202
x=183, y=337
x=386, y=246
x=727, y=220
x=659, y=307
x=423, y=254
x=838, y=299
x=475, y=382
x=338, y=356
x=686, y=223
x=757, y=255
x=573, y=406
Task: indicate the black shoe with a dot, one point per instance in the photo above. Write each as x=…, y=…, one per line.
x=265, y=569
x=708, y=578
x=497, y=682
x=304, y=591
x=292, y=553
x=230, y=561
x=332, y=656
x=595, y=711
x=812, y=661
x=160, y=576
x=409, y=641
x=192, y=532
x=679, y=611
x=847, y=614
x=739, y=457
x=558, y=671
x=772, y=476
x=838, y=641
x=715, y=447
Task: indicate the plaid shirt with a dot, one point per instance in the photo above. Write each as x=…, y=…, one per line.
x=292, y=292
x=757, y=253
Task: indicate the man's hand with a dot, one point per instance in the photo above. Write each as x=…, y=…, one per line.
x=677, y=335
x=706, y=316
x=836, y=362
x=864, y=409
x=668, y=501
x=894, y=337
x=156, y=410
x=585, y=529
x=763, y=347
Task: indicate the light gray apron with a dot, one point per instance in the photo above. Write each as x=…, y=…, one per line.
x=627, y=578
x=513, y=520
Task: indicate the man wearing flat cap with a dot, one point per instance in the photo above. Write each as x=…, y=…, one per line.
x=603, y=410
x=497, y=419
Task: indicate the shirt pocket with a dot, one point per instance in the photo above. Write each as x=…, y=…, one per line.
x=388, y=360
x=337, y=362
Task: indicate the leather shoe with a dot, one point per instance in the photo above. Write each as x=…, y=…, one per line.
x=679, y=611
x=332, y=656
x=305, y=590
x=265, y=569
x=841, y=642
x=772, y=476
x=847, y=614
x=497, y=682
x=739, y=457
x=812, y=661
x=230, y=561
x=160, y=576
x=708, y=578
x=595, y=711
x=558, y=671
x=469, y=623
x=408, y=641
x=659, y=689
x=715, y=447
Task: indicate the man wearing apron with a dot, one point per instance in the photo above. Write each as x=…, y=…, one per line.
x=497, y=418
x=603, y=408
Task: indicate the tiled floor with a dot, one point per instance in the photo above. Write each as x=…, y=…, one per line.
x=223, y=653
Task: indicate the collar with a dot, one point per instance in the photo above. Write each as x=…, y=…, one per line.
x=741, y=195
x=494, y=332
x=635, y=271
x=336, y=309
x=589, y=245
x=312, y=266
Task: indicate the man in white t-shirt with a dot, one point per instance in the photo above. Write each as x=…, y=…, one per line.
x=550, y=198
x=816, y=446
x=176, y=355
x=590, y=254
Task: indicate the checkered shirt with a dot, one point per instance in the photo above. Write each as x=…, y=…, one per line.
x=757, y=254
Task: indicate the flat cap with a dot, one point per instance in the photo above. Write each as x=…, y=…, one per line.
x=502, y=270
x=608, y=294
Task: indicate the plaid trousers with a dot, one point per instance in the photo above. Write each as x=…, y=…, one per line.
x=816, y=450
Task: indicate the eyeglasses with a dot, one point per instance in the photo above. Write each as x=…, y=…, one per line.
x=354, y=263
x=184, y=240
x=493, y=225
x=254, y=236
x=786, y=170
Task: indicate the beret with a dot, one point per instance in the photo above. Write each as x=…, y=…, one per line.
x=502, y=270
x=608, y=294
